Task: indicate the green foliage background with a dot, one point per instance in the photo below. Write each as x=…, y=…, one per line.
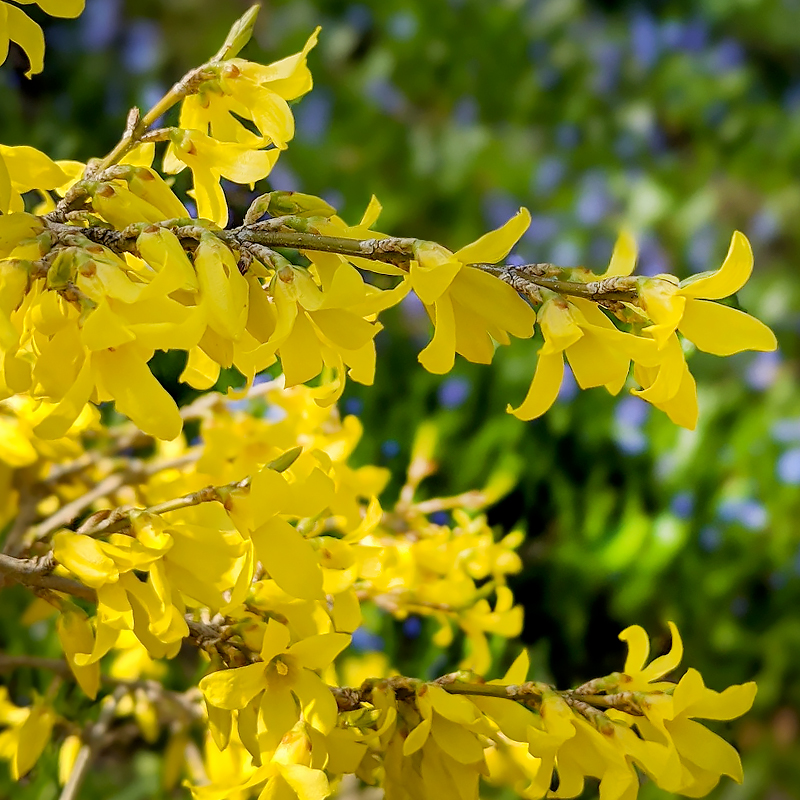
x=679, y=119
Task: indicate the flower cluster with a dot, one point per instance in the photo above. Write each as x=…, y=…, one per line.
x=250, y=535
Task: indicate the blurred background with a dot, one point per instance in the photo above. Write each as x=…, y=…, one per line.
x=678, y=119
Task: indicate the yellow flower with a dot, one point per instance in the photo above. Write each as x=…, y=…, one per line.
x=284, y=673
x=249, y=91
x=712, y=327
x=696, y=758
x=25, y=168
x=470, y=309
x=597, y=351
x=209, y=160
x=638, y=676
x=28, y=733
x=19, y=28
x=76, y=636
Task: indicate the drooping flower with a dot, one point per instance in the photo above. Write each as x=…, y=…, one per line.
x=599, y=353
x=470, y=309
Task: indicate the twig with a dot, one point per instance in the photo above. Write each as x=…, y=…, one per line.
x=35, y=572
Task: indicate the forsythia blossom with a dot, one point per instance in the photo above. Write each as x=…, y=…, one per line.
x=237, y=522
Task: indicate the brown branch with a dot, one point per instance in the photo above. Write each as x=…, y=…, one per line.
x=35, y=572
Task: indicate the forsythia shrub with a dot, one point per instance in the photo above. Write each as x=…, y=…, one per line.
x=255, y=541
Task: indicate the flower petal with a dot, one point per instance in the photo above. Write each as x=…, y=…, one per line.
x=723, y=330
x=669, y=661
x=729, y=278
x=234, y=688
x=638, y=648
x=438, y=357
x=623, y=259
x=496, y=245
x=543, y=389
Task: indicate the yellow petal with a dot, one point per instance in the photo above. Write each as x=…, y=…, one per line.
x=417, y=737
x=200, y=371
x=16, y=227
x=693, y=698
x=275, y=642
x=669, y=661
x=84, y=558
x=28, y=35
x=638, y=649
x=318, y=652
x=289, y=558
x=670, y=374
x=234, y=688
x=125, y=375
x=728, y=279
x=76, y=636
x=722, y=330
x=708, y=751
x=559, y=326
x=66, y=9
x=682, y=407
x=595, y=364
x=432, y=271
x=496, y=245
x=319, y=707
x=224, y=290
x=543, y=389
x=33, y=736
x=623, y=259
x=103, y=329
x=438, y=357
x=495, y=300
x=306, y=783
x=15, y=448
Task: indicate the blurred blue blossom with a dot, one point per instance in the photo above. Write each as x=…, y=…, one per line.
x=786, y=430
x=542, y=229
x=142, y=49
x=652, y=257
x=565, y=253
x=567, y=136
x=412, y=627
x=788, y=467
x=366, y=641
x=353, y=405
x=764, y=226
x=594, y=199
x=645, y=39
x=548, y=175
x=498, y=208
x=440, y=518
x=402, y=25
x=385, y=95
x=454, y=391
x=99, y=24
x=762, y=370
x=358, y=16
x=682, y=505
x=281, y=177
x=465, y=111
x=313, y=116
x=569, y=386
x=710, y=538
x=727, y=55
x=701, y=249
x=630, y=414
x=746, y=511
x=390, y=448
